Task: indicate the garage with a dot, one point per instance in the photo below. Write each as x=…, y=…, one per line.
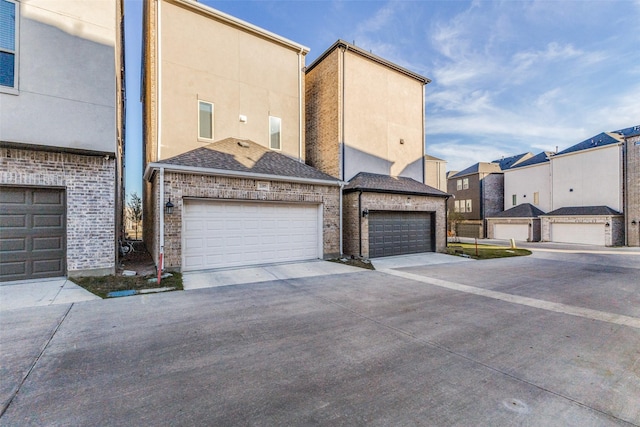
x=588, y=234
x=32, y=233
x=399, y=233
x=219, y=234
x=518, y=232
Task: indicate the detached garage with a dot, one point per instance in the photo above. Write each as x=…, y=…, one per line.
x=521, y=223
x=386, y=216
x=236, y=203
x=587, y=225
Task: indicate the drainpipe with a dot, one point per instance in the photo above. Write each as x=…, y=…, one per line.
x=300, y=95
x=360, y=223
x=340, y=223
x=342, y=119
x=161, y=208
x=159, y=82
x=446, y=222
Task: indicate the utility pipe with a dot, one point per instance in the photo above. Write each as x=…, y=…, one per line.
x=300, y=96
x=159, y=81
x=161, y=209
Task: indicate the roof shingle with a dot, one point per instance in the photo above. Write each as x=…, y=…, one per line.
x=372, y=182
x=525, y=210
x=583, y=211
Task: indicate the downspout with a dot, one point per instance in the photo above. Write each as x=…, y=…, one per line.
x=446, y=221
x=300, y=104
x=161, y=209
x=342, y=122
x=360, y=223
x=625, y=190
x=340, y=220
x=424, y=136
x=159, y=80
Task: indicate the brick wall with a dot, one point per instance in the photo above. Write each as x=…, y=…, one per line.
x=614, y=234
x=493, y=189
x=179, y=186
x=89, y=182
x=353, y=222
x=322, y=112
x=632, y=203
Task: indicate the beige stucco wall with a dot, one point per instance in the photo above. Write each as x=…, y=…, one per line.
x=524, y=182
x=594, y=175
x=202, y=58
x=382, y=107
x=435, y=173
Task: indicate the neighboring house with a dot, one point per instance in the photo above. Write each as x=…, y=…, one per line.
x=61, y=106
x=365, y=125
x=529, y=182
x=435, y=172
x=632, y=185
x=226, y=183
x=521, y=223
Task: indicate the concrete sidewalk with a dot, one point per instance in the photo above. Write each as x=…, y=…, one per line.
x=41, y=292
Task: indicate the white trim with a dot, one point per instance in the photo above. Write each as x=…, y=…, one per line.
x=279, y=132
x=14, y=90
x=152, y=167
x=201, y=138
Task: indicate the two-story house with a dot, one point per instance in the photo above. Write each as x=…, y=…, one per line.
x=224, y=145
x=365, y=126
x=61, y=106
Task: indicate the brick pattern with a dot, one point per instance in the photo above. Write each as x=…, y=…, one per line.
x=179, y=186
x=90, y=185
x=632, y=203
x=354, y=224
x=323, y=101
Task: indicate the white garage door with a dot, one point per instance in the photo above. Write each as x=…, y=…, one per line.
x=588, y=234
x=228, y=234
x=518, y=232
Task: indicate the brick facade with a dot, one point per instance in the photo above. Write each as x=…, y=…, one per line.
x=632, y=196
x=89, y=183
x=178, y=186
x=322, y=106
x=356, y=227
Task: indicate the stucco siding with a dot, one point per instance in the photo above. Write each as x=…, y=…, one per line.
x=525, y=182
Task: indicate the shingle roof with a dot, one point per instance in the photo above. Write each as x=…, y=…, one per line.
x=583, y=211
x=509, y=162
x=599, y=140
x=233, y=154
x=538, y=158
x=481, y=167
x=525, y=210
x=627, y=132
x=372, y=182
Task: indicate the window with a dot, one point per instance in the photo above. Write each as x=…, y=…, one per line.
x=459, y=184
x=536, y=198
x=275, y=124
x=514, y=199
x=205, y=120
x=468, y=204
x=8, y=35
x=457, y=206
x=465, y=183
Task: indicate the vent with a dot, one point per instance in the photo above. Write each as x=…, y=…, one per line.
x=243, y=144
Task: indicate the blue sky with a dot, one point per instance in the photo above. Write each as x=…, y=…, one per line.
x=507, y=76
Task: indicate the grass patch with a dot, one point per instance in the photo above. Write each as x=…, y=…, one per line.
x=354, y=262
x=101, y=286
x=485, y=251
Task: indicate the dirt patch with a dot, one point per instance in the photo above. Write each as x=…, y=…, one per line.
x=354, y=262
x=138, y=260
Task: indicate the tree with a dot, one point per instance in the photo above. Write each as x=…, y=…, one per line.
x=134, y=211
x=453, y=219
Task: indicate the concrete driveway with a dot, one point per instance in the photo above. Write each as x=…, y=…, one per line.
x=521, y=341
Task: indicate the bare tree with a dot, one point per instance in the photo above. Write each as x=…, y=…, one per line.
x=134, y=211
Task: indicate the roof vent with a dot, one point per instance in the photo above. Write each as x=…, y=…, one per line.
x=243, y=144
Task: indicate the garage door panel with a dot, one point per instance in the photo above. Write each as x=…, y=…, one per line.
x=396, y=233
x=518, y=232
x=588, y=234
x=249, y=233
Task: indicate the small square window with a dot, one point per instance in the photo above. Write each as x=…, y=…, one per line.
x=275, y=135
x=205, y=120
x=465, y=184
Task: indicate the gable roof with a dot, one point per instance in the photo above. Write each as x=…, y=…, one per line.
x=244, y=157
x=537, y=159
x=509, y=162
x=375, y=58
x=480, y=167
x=524, y=210
x=599, y=140
x=628, y=132
x=372, y=182
x=583, y=211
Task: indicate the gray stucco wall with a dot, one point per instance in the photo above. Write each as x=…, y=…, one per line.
x=66, y=90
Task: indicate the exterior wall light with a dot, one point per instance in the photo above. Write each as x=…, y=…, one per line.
x=365, y=213
x=168, y=207
x=633, y=222
x=607, y=224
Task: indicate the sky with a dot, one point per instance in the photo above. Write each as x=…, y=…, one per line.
x=508, y=76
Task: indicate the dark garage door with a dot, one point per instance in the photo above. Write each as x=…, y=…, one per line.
x=397, y=233
x=32, y=233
